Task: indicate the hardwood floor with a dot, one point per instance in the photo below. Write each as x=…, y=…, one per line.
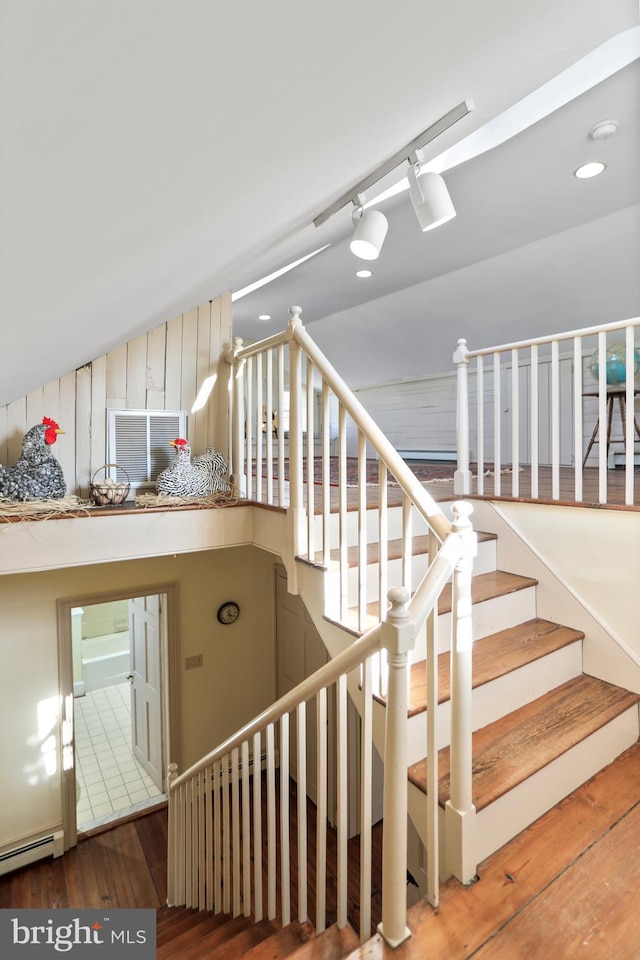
x=566, y=887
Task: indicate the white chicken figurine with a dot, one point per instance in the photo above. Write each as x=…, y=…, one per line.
x=200, y=477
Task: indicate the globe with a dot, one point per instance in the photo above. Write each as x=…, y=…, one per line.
x=616, y=363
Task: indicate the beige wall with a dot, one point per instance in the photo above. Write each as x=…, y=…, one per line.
x=159, y=370
x=236, y=681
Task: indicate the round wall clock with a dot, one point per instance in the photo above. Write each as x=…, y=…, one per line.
x=228, y=612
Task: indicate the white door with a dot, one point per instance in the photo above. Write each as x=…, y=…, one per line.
x=146, y=685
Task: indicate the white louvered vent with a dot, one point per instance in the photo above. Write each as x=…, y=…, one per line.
x=139, y=442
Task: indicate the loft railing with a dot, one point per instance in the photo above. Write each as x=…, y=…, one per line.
x=229, y=825
x=564, y=405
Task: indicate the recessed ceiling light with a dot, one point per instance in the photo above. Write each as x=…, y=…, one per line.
x=264, y=316
x=364, y=273
x=589, y=170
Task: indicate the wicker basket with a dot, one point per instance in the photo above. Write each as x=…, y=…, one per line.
x=109, y=492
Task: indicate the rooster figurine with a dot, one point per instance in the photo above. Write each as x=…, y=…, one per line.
x=37, y=474
x=200, y=477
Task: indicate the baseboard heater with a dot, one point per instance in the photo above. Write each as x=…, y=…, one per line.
x=50, y=845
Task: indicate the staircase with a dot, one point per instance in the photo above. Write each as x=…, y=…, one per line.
x=541, y=726
x=390, y=582
x=187, y=934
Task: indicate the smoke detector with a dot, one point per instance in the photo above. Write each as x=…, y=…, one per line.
x=604, y=129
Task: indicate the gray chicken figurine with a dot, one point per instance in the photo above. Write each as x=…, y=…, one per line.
x=200, y=477
x=37, y=474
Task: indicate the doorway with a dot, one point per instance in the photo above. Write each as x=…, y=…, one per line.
x=118, y=682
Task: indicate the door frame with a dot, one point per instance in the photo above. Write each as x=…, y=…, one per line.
x=170, y=687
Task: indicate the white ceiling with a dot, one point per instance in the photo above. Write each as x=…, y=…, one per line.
x=154, y=154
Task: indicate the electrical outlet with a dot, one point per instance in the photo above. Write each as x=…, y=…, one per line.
x=190, y=663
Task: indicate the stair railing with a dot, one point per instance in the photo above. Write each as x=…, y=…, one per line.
x=299, y=433
x=548, y=401
x=228, y=828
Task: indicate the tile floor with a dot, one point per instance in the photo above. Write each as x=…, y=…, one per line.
x=109, y=780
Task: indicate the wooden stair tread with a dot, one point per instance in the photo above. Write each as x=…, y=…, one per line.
x=488, y=586
x=192, y=944
x=192, y=924
x=493, y=656
x=239, y=945
x=484, y=586
x=419, y=545
x=508, y=751
x=282, y=943
x=331, y=944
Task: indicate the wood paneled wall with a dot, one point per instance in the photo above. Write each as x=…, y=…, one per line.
x=159, y=370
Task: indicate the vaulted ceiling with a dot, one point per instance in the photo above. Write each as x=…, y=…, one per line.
x=156, y=154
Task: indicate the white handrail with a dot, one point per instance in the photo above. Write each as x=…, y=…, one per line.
x=567, y=335
x=425, y=503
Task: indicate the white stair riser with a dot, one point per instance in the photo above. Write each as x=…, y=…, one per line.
x=504, y=819
x=490, y=616
x=495, y=699
x=485, y=562
x=520, y=807
x=394, y=524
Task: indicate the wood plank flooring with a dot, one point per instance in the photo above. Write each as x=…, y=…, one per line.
x=566, y=887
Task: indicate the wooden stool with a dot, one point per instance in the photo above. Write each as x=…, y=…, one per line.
x=619, y=392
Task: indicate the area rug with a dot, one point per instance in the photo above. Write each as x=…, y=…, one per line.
x=426, y=471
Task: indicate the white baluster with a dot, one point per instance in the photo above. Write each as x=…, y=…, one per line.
x=321, y=822
x=237, y=452
x=342, y=803
x=431, y=716
x=366, y=761
x=301, y=733
x=462, y=476
x=246, y=830
x=362, y=531
x=271, y=825
x=257, y=827
x=285, y=865
x=208, y=803
x=535, y=437
x=555, y=420
x=295, y=440
x=173, y=845
x=515, y=424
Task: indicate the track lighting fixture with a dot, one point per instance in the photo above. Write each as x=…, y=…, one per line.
x=406, y=153
x=370, y=230
x=429, y=197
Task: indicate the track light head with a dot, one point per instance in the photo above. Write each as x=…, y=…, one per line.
x=370, y=230
x=430, y=198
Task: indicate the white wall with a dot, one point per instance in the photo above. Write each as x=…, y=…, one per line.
x=236, y=681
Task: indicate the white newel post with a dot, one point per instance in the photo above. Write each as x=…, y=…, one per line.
x=296, y=499
x=462, y=476
x=238, y=477
x=172, y=773
x=460, y=811
x=398, y=637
